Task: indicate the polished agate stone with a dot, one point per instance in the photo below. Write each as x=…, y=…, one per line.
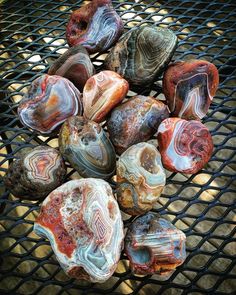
x=185, y=146
x=102, y=92
x=142, y=54
x=140, y=178
x=189, y=87
x=154, y=246
x=75, y=65
x=36, y=173
x=49, y=101
x=85, y=145
x=135, y=121
x=83, y=223
x=96, y=26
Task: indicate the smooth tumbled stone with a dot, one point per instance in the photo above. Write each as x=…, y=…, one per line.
x=142, y=54
x=189, y=88
x=85, y=145
x=83, y=223
x=135, y=121
x=50, y=100
x=154, y=246
x=102, y=92
x=96, y=26
x=185, y=146
x=36, y=173
x=75, y=65
x=140, y=178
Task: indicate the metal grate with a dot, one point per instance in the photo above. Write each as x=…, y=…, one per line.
x=33, y=35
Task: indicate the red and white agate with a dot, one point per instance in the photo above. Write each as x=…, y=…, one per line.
x=49, y=101
x=185, y=146
x=83, y=223
x=189, y=88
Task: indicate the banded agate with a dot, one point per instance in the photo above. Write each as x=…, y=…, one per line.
x=96, y=26
x=185, y=146
x=142, y=54
x=75, y=65
x=135, y=121
x=85, y=145
x=102, y=92
x=49, y=101
x=154, y=246
x=36, y=173
x=83, y=223
x=189, y=87
x=140, y=178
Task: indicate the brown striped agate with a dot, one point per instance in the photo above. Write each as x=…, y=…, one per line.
x=36, y=173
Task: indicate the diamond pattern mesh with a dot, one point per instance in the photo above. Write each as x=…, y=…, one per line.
x=202, y=205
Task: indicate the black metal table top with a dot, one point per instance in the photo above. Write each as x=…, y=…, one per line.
x=202, y=205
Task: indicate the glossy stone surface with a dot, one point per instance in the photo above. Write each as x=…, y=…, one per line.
x=142, y=54
x=36, y=173
x=102, y=92
x=140, y=178
x=154, y=246
x=189, y=87
x=135, y=121
x=83, y=223
x=185, y=146
x=96, y=26
x=49, y=101
x=85, y=145
x=75, y=65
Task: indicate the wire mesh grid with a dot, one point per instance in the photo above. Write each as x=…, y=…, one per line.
x=202, y=205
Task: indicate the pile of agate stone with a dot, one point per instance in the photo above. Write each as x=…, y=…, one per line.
x=107, y=130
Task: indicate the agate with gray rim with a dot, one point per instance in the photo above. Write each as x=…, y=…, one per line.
x=85, y=145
